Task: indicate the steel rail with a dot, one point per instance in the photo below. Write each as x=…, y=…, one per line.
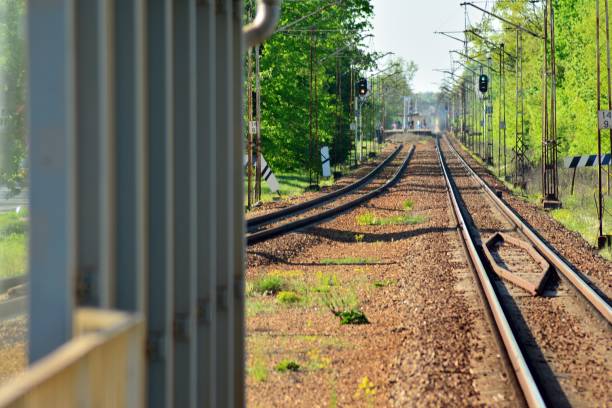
x=323, y=215
x=294, y=209
x=528, y=386
x=592, y=297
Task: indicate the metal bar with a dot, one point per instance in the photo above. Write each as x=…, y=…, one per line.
x=96, y=153
x=131, y=161
x=161, y=232
x=185, y=218
x=238, y=372
x=226, y=224
x=206, y=147
x=51, y=128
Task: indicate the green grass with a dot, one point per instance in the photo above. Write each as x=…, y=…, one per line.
x=287, y=365
x=372, y=219
x=291, y=184
x=407, y=205
x=13, y=245
x=258, y=307
x=12, y=224
x=349, y=261
x=580, y=214
x=258, y=370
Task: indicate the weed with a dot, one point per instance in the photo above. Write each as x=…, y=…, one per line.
x=384, y=283
x=257, y=307
x=408, y=204
x=287, y=274
x=258, y=370
x=288, y=297
x=257, y=367
x=352, y=316
x=346, y=308
x=359, y=237
x=408, y=219
x=349, y=261
x=365, y=388
x=325, y=282
x=316, y=361
x=366, y=219
x=287, y=365
x=269, y=285
x=402, y=220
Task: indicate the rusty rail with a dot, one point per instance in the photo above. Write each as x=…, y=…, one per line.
x=297, y=208
x=323, y=215
x=528, y=386
x=600, y=304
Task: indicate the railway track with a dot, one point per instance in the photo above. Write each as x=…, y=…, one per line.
x=256, y=222
x=299, y=216
x=556, y=342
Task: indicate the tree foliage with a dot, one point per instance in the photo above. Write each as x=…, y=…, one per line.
x=576, y=75
x=13, y=146
x=330, y=35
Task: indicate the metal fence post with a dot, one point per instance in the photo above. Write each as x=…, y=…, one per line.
x=95, y=153
x=131, y=144
x=160, y=308
x=224, y=194
x=185, y=208
x=206, y=147
x=51, y=127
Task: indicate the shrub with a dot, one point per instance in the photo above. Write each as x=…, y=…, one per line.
x=352, y=316
x=287, y=365
x=346, y=308
x=288, y=297
x=269, y=285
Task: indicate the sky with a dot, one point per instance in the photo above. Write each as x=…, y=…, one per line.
x=406, y=27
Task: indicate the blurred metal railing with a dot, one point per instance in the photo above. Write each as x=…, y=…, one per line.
x=102, y=366
x=136, y=182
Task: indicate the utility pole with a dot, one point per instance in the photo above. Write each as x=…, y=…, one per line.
x=604, y=121
x=520, y=146
x=489, y=112
x=502, y=113
x=609, y=88
x=250, y=129
x=550, y=182
x=310, y=109
x=258, y=120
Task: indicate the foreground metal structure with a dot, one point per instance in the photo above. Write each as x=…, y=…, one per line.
x=136, y=187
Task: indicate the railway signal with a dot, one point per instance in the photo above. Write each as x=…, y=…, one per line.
x=362, y=87
x=483, y=83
